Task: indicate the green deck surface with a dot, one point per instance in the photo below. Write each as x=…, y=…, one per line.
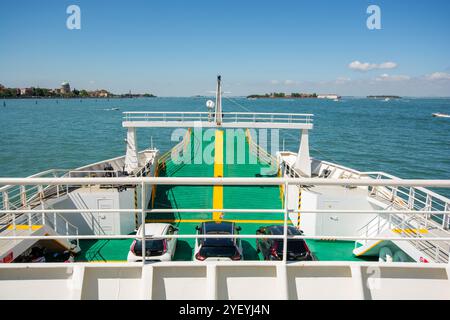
x=104, y=250
x=201, y=197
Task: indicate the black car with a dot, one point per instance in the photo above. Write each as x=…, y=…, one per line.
x=218, y=248
x=272, y=249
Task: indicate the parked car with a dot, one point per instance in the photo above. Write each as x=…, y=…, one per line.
x=272, y=249
x=218, y=248
x=158, y=248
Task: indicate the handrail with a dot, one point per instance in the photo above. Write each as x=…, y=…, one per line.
x=143, y=181
x=205, y=112
x=178, y=147
x=228, y=117
x=226, y=181
x=390, y=176
x=258, y=150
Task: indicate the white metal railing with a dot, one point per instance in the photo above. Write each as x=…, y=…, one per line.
x=181, y=146
x=406, y=226
x=402, y=198
x=94, y=173
x=227, y=117
x=417, y=198
x=260, y=152
x=143, y=182
x=14, y=197
x=29, y=220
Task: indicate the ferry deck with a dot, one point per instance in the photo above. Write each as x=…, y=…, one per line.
x=217, y=197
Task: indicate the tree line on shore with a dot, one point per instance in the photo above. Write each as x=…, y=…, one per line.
x=283, y=95
x=56, y=93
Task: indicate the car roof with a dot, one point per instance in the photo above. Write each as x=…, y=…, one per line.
x=217, y=226
x=154, y=229
x=279, y=230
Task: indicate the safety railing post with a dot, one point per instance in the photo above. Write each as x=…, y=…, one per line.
x=144, y=253
x=411, y=198
x=446, y=216
x=5, y=200
x=286, y=208
x=23, y=196
x=393, y=193
x=41, y=200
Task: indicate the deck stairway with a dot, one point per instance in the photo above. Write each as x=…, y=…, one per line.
x=406, y=226
x=32, y=224
x=35, y=224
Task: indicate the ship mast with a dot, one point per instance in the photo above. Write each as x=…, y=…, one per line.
x=218, y=112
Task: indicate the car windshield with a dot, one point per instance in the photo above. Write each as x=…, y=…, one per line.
x=218, y=242
x=218, y=252
x=152, y=247
x=294, y=246
x=218, y=229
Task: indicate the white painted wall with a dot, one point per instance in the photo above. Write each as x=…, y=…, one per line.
x=99, y=223
x=308, y=221
x=225, y=280
x=333, y=224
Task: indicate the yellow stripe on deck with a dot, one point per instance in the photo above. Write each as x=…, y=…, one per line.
x=422, y=231
x=218, y=173
x=25, y=227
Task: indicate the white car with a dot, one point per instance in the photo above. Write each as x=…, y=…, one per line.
x=218, y=249
x=158, y=248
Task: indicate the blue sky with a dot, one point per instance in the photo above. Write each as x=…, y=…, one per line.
x=176, y=48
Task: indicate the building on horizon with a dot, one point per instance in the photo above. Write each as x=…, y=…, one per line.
x=65, y=88
x=329, y=96
x=26, y=91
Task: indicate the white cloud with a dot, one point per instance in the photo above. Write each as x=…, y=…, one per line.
x=387, y=65
x=387, y=77
x=289, y=82
x=274, y=82
x=438, y=76
x=366, y=66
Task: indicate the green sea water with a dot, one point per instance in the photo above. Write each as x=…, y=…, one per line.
x=397, y=136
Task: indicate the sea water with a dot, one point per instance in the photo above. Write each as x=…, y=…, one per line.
x=399, y=137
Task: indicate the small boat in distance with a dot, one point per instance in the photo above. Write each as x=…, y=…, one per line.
x=441, y=115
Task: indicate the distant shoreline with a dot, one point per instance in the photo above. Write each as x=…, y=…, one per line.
x=295, y=95
x=76, y=98
x=384, y=97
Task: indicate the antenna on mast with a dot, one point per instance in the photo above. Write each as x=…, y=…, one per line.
x=218, y=113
